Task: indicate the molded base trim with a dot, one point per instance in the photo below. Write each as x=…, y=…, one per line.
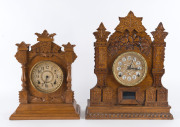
x=46, y=112
x=128, y=112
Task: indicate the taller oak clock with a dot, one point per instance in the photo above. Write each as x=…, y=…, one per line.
x=46, y=81
x=129, y=67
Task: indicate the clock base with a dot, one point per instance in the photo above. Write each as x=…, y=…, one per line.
x=128, y=112
x=46, y=112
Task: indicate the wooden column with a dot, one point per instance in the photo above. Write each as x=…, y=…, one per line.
x=101, y=54
x=70, y=57
x=100, y=70
x=158, y=54
x=22, y=57
x=157, y=95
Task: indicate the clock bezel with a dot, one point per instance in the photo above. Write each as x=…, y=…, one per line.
x=50, y=91
x=130, y=84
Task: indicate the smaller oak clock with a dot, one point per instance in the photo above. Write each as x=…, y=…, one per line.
x=46, y=81
x=130, y=68
x=46, y=76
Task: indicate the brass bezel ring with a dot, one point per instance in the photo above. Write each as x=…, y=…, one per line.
x=48, y=91
x=130, y=84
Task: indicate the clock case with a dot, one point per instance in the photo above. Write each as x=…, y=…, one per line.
x=38, y=105
x=148, y=99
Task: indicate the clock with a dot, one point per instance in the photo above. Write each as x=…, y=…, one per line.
x=46, y=80
x=129, y=67
x=46, y=76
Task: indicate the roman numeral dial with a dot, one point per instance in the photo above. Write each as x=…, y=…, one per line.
x=46, y=76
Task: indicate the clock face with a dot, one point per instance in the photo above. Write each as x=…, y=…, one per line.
x=46, y=76
x=130, y=68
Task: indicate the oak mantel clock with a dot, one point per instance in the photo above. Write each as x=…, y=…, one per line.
x=129, y=67
x=46, y=81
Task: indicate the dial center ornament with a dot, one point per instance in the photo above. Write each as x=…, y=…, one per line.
x=130, y=68
x=46, y=76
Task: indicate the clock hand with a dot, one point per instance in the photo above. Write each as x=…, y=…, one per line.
x=45, y=82
x=135, y=68
x=130, y=66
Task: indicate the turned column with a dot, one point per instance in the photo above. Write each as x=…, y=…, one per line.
x=70, y=56
x=22, y=57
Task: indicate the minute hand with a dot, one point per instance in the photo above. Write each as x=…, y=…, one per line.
x=135, y=68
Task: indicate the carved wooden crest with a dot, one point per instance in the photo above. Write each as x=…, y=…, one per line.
x=129, y=34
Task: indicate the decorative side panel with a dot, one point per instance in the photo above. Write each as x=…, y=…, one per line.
x=162, y=96
x=140, y=97
x=95, y=95
x=151, y=97
x=107, y=95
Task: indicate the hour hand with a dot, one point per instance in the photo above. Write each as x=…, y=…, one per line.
x=135, y=68
x=128, y=67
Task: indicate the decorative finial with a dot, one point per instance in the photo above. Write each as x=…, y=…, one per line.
x=101, y=27
x=130, y=13
x=101, y=34
x=23, y=46
x=159, y=35
x=68, y=47
x=130, y=23
x=45, y=36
